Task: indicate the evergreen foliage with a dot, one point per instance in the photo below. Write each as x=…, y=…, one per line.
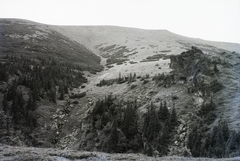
x=121, y=79
x=30, y=80
x=163, y=79
x=217, y=142
x=126, y=133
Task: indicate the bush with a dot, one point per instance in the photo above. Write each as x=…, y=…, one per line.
x=119, y=63
x=145, y=81
x=75, y=102
x=133, y=86
x=80, y=95
x=115, y=60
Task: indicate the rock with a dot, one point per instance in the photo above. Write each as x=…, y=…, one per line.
x=176, y=142
x=180, y=129
x=182, y=121
x=182, y=136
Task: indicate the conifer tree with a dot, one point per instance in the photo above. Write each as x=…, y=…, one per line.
x=163, y=141
x=5, y=102
x=119, y=77
x=31, y=103
x=53, y=94
x=225, y=130
x=18, y=110
x=173, y=117
x=61, y=91
x=134, y=76
x=130, y=121
x=215, y=68
x=130, y=78
x=114, y=136
x=163, y=112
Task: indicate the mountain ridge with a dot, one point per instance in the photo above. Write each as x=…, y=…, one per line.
x=154, y=31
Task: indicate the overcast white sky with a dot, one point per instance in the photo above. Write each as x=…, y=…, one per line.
x=217, y=20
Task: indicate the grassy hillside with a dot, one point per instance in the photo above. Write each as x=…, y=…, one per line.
x=19, y=37
x=145, y=42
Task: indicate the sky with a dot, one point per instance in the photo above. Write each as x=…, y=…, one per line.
x=216, y=20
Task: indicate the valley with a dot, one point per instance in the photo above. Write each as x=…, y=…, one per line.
x=117, y=90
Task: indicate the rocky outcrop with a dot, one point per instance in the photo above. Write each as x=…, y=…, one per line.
x=190, y=63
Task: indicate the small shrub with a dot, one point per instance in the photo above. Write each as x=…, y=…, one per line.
x=115, y=60
x=145, y=81
x=110, y=66
x=132, y=62
x=80, y=95
x=119, y=63
x=147, y=76
x=75, y=102
x=133, y=86
x=174, y=97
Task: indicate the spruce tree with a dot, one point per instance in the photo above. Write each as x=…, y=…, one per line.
x=173, y=117
x=163, y=112
x=31, y=103
x=130, y=121
x=225, y=130
x=130, y=78
x=5, y=102
x=114, y=136
x=61, y=91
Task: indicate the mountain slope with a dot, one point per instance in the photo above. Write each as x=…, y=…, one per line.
x=102, y=36
x=19, y=37
x=137, y=45
x=155, y=91
x=143, y=51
